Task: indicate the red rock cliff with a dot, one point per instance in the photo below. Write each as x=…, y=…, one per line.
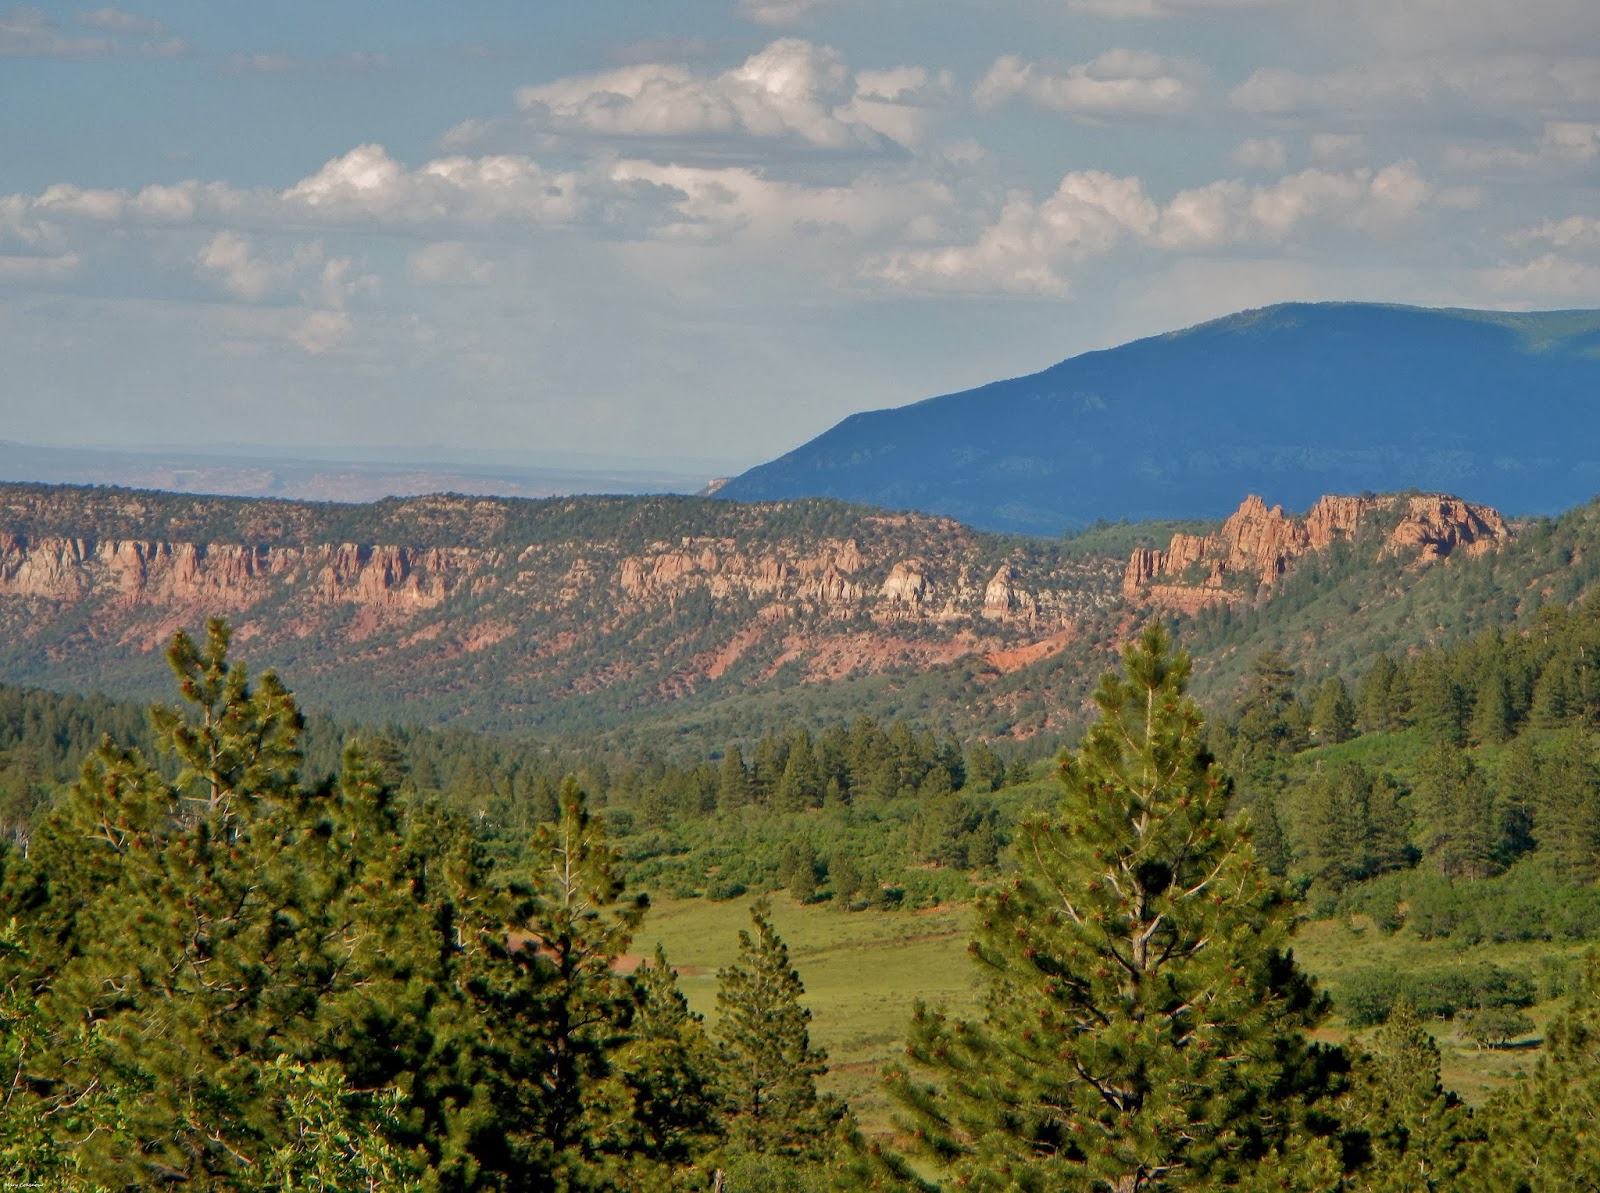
x=1257, y=545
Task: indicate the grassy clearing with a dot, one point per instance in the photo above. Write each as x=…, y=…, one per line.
x=863, y=971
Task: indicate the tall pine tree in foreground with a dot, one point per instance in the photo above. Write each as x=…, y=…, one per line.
x=770, y=1067
x=1144, y=1025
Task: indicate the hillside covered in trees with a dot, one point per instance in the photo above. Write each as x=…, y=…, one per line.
x=222, y=969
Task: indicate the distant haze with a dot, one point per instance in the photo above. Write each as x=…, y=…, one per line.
x=351, y=476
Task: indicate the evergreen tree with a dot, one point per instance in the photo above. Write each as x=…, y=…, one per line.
x=1461, y=828
x=1568, y=814
x=985, y=770
x=1538, y=1136
x=1408, y=1134
x=1269, y=724
x=798, y=870
x=1492, y=711
x=1333, y=716
x=582, y=922
x=770, y=1066
x=1144, y=1023
x=670, y=1067
x=733, y=782
x=1378, y=696
x=800, y=786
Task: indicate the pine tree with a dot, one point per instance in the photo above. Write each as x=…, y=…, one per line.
x=1144, y=1023
x=670, y=1068
x=800, y=786
x=1461, y=828
x=582, y=923
x=1568, y=815
x=1412, y=1135
x=1333, y=716
x=770, y=1067
x=798, y=870
x=1492, y=711
x=733, y=782
x=1377, y=696
x=1539, y=1136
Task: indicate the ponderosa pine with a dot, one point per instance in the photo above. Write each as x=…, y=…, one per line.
x=1144, y=1027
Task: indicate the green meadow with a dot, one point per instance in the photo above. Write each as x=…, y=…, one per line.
x=862, y=971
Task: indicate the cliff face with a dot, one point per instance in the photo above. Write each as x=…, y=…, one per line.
x=1257, y=545
x=452, y=602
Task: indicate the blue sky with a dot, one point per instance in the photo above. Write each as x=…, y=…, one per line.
x=705, y=230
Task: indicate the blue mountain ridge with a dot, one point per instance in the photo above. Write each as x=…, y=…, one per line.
x=1289, y=401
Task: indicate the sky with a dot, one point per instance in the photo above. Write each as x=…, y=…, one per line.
x=703, y=231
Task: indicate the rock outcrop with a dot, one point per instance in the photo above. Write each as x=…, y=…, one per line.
x=228, y=575
x=1257, y=545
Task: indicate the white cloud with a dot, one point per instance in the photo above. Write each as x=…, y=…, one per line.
x=1563, y=146
x=115, y=20
x=1232, y=213
x=449, y=263
x=1428, y=89
x=780, y=12
x=320, y=332
x=359, y=62
x=1031, y=247
x=28, y=32
x=367, y=184
x=1126, y=10
x=1116, y=85
x=231, y=261
x=737, y=201
x=1332, y=147
x=791, y=91
x=1429, y=26
x=1260, y=153
x=1576, y=231
x=38, y=269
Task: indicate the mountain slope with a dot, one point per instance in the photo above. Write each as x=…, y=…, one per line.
x=565, y=614
x=1296, y=401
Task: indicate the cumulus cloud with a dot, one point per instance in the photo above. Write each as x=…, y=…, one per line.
x=1119, y=84
x=232, y=261
x=1033, y=248
x=368, y=184
x=1574, y=232
x=792, y=91
x=28, y=32
x=320, y=332
x=1232, y=213
x=1564, y=145
x=736, y=201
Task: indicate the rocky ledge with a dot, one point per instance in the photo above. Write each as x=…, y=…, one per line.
x=1256, y=546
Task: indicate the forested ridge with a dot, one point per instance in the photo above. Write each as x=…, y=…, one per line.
x=227, y=970
x=249, y=948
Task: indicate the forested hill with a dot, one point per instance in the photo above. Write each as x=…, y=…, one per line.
x=1293, y=401
x=565, y=614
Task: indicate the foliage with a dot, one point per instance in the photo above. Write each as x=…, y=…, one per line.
x=1144, y=1023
